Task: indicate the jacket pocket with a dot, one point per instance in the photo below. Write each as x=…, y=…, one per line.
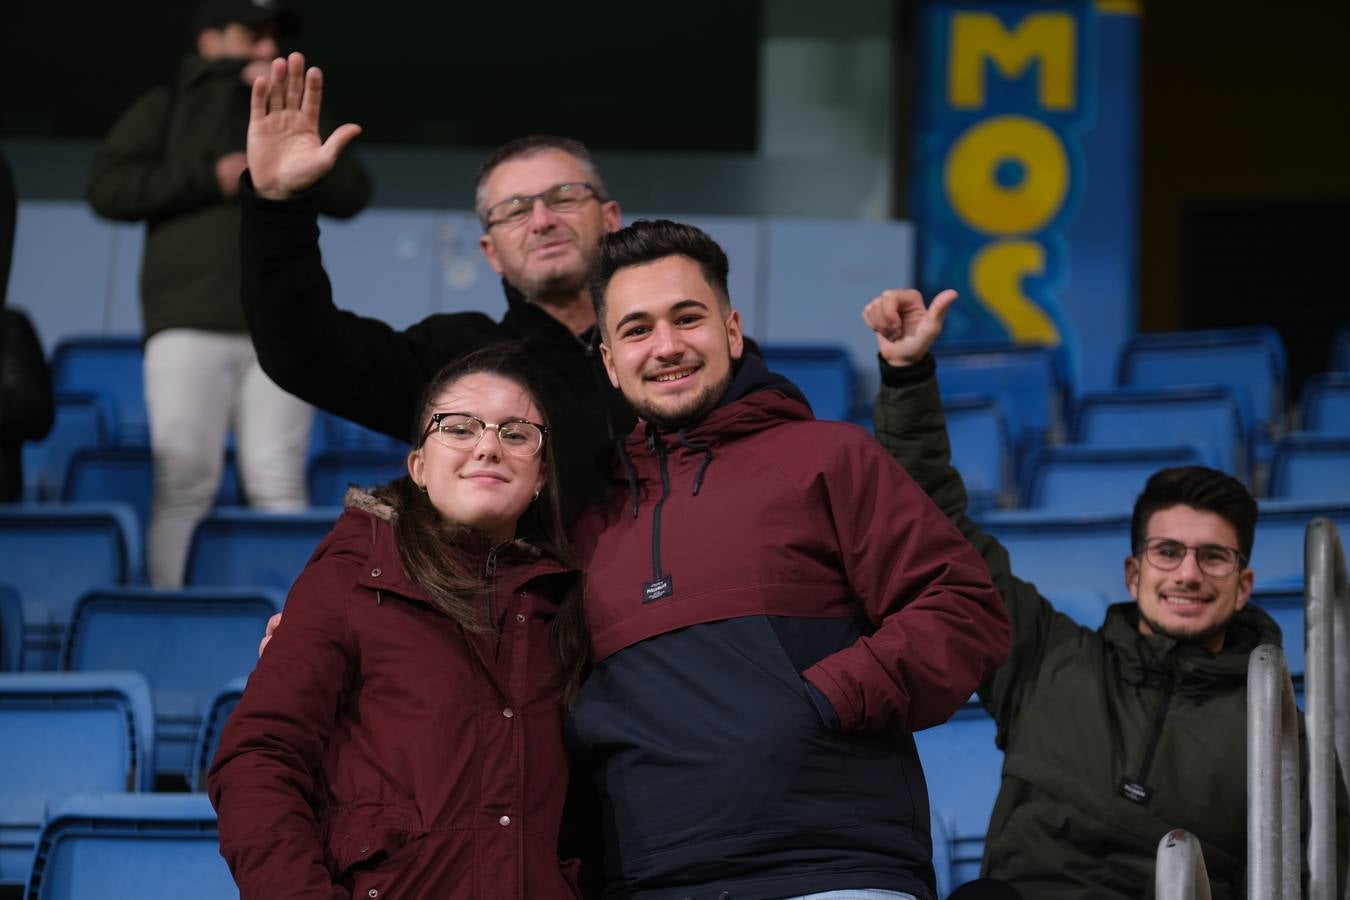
x=363, y=836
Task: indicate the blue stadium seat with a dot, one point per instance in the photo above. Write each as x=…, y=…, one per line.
x=1286, y=606
x=112, y=368
x=331, y=471
x=218, y=710
x=125, y=473
x=963, y=768
x=1325, y=404
x=332, y=432
x=55, y=553
x=1340, y=350
x=1206, y=418
x=11, y=629
x=1277, y=556
x=1025, y=381
x=1077, y=478
x=186, y=643
x=248, y=548
x=1064, y=555
x=131, y=847
x=66, y=733
x=981, y=449
x=1311, y=467
x=824, y=374
x=1087, y=607
x=1248, y=361
x=81, y=421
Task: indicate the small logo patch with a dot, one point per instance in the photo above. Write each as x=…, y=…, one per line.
x=1135, y=792
x=660, y=589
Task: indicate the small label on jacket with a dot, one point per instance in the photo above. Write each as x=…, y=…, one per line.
x=1135, y=792
x=660, y=589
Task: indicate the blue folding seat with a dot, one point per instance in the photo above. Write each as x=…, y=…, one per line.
x=125, y=473
x=11, y=629
x=1248, y=361
x=186, y=643
x=55, y=553
x=1064, y=555
x=824, y=373
x=218, y=710
x=1286, y=606
x=963, y=768
x=1340, y=350
x=131, y=847
x=1325, y=404
x=331, y=471
x=1024, y=380
x=1311, y=467
x=66, y=733
x=112, y=368
x=981, y=449
x=1077, y=478
x=332, y=432
x=1205, y=418
x=1086, y=607
x=1277, y=556
x=81, y=421
x=249, y=548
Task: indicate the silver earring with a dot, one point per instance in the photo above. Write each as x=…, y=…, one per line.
x=536, y=493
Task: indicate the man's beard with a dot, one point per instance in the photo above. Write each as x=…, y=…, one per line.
x=1199, y=638
x=694, y=411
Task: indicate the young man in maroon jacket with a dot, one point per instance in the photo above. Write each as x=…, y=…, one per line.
x=774, y=608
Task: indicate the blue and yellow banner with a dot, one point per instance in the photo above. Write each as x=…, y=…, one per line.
x=1026, y=174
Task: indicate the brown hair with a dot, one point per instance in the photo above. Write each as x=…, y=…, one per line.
x=424, y=537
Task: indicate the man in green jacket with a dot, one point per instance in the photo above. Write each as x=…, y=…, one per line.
x=173, y=160
x=1112, y=737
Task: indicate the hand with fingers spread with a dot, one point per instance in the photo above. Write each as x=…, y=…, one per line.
x=905, y=328
x=285, y=152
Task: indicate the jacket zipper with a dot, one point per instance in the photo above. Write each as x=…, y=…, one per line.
x=656, y=512
x=490, y=574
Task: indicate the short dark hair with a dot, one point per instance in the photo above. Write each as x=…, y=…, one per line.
x=529, y=146
x=1202, y=488
x=649, y=240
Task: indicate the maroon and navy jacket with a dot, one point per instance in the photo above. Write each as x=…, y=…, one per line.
x=380, y=750
x=774, y=608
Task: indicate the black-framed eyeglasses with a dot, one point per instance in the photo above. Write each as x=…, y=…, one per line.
x=561, y=198
x=463, y=431
x=1213, y=559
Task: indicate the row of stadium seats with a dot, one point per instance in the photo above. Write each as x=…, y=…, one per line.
x=1016, y=399
x=89, y=738
x=1074, y=559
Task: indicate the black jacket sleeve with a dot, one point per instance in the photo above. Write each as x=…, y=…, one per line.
x=352, y=366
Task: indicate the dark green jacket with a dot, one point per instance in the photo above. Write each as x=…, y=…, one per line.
x=157, y=165
x=1077, y=711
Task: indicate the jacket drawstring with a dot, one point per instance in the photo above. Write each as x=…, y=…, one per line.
x=707, y=457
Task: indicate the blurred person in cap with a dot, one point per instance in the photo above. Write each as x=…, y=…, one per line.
x=173, y=160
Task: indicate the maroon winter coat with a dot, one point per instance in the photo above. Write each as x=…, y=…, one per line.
x=380, y=751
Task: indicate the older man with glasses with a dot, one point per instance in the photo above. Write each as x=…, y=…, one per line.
x=543, y=207
x=1116, y=736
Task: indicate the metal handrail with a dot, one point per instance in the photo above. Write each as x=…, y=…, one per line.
x=1327, y=630
x=1180, y=870
x=1273, y=850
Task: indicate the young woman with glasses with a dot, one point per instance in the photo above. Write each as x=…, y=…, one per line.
x=402, y=735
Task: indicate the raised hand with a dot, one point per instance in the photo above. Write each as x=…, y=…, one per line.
x=285, y=153
x=272, y=624
x=905, y=328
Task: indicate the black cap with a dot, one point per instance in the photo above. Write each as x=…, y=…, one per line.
x=219, y=13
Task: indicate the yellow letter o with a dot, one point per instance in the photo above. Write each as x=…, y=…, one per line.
x=997, y=209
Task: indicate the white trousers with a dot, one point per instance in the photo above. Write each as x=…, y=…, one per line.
x=197, y=385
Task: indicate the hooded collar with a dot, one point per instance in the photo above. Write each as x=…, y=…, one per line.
x=1148, y=658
